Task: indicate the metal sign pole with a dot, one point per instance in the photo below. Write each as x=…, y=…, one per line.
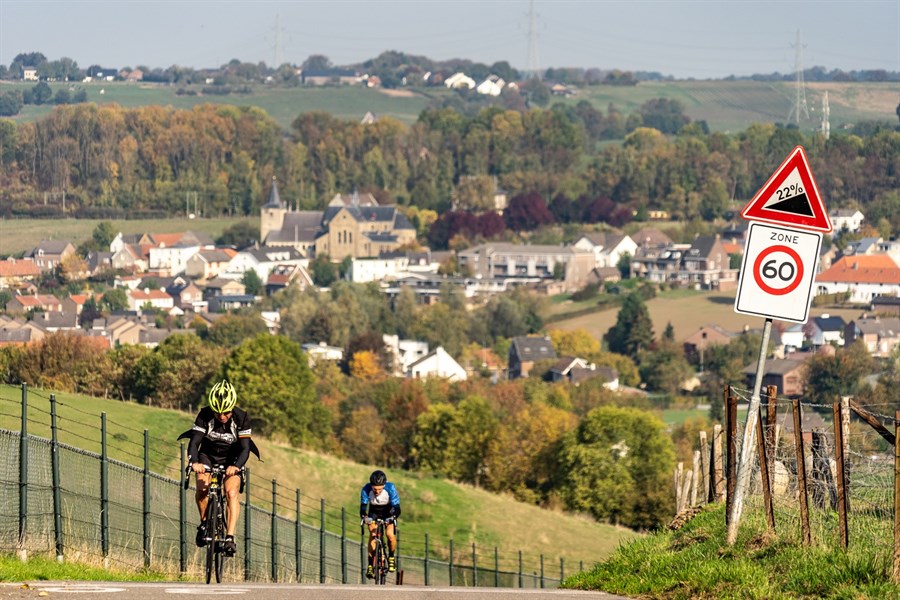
x=744, y=466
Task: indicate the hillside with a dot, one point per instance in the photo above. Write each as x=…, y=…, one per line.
x=687, y=311
x=439, y=507
x=724, y=105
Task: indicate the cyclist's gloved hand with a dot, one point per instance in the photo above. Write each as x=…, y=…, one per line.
x=198, y=467
x=232, y=470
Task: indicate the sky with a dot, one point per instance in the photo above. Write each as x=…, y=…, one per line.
x=682, y=38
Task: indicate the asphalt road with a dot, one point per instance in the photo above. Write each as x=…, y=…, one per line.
x=264, y=591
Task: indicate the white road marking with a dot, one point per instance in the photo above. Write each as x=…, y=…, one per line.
x=208, y=591
x=82, y=589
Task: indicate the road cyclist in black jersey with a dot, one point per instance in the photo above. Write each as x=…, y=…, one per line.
x=220, y=436
x=379, y=500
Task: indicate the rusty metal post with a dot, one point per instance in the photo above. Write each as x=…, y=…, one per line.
x=764, y=473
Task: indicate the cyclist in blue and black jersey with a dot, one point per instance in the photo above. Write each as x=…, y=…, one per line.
x=379, y=499
x=220, y=436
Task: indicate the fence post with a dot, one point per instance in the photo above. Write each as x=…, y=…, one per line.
x=695, y=478
x=843, y=504
x=801, y=474
x=730, y=452
x=321, y=540
x=23, y=475
x=298, y=541
x=247, y=526
x=496, y=567
x=704, y=468
x=542, y=571
x=427, y=580
x=363, y=552
x=343, y=545
x=771, y=421
x=146, y=498
x=104, y=492
x=451, y=562
x=474, y=566
x=679, y=473
x=562, y=569
x=764, y=472
x=274, y=532
x=717, y=485
x=182, y=517
x=520, y=568
x=57, y=500
x=895, y=574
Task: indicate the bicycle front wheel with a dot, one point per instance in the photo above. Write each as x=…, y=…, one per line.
x=380, y=563
x=211, y=519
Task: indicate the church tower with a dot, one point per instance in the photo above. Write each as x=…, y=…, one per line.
x=272, y=213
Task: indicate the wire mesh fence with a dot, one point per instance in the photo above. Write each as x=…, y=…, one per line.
x=102, y=508
x=827, y=475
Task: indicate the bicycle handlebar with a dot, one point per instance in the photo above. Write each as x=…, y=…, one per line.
x=207, y=469
x=387, y=521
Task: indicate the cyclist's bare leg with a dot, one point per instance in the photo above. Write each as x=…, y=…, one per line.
x=392, y=538
x=373, y=528
x=232, y=489
x=202, y=491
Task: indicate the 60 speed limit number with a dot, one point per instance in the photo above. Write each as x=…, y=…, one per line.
x=777, y=272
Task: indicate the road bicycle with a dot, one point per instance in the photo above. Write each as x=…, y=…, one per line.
x=215, y=518
x=380, y=560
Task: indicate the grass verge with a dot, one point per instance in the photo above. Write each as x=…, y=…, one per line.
x=695, y=562
x=42, y=568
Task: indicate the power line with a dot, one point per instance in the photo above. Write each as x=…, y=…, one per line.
x=800, y=86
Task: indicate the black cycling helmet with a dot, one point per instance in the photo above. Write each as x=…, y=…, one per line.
x=377, y=478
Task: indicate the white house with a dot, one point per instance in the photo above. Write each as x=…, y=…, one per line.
x=437, y=364
x=405, y=352
x=608, y=247
x=262, y=260
x=492, y=86
x=459, y=80
x=846, y=218
x=29, y=74
x=171, y=260
x=322, y=351
x=792, y=337
x=364, y=270
x=863, y=277
x=155, y=298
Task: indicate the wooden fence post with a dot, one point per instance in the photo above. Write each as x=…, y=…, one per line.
x=686, y=490
x=764, y=473
x=695, y=476
x=771, y=428
x=895, y=574
x=731, y=451
x=801, y=475
x=824, y=481
x=843, y=504
x=704, y=468
x=717, y=489
x=679, y=470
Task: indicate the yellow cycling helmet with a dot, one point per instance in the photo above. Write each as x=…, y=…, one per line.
x=222, y=397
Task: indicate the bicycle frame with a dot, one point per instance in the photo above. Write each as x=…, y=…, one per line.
x=380, y=559
x=216, y=519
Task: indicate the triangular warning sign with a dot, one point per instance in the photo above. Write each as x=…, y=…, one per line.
x=790, y=197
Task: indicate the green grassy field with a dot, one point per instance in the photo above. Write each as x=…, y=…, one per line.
x=724, y=105
x=688, y=311
x=19, y=235
x=441, y=508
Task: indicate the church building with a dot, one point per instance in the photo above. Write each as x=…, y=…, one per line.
x=354, y=226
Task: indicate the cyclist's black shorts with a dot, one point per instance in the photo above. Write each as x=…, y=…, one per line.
x=229, y=461
x=379, y=512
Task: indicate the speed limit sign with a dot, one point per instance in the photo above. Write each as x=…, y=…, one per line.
x=777, y=272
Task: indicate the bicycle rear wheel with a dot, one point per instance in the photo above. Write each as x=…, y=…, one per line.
x=211, y=519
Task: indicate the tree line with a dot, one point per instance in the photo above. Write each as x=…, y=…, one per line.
x=107, y=161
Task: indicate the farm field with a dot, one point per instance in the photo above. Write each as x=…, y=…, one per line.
x=724, y=105
x=20, y=235
x=688, y=313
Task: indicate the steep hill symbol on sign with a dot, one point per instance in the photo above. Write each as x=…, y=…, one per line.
x=790, y=197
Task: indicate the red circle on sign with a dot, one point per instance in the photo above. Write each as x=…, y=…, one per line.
x=773, y=290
